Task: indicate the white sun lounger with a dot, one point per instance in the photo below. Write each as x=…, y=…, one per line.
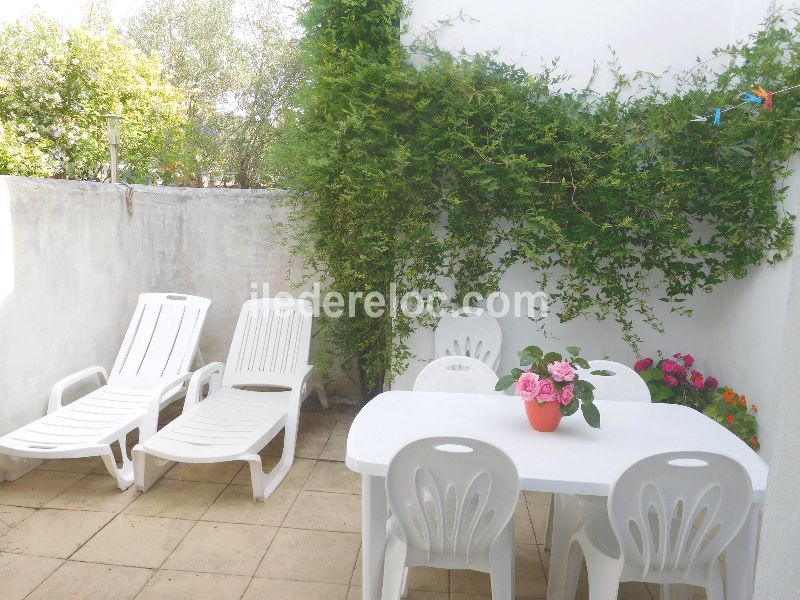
x=150, y=371
x=269, y=351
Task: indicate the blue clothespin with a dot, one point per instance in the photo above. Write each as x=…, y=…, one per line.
x=748, y=97
x=717, y=117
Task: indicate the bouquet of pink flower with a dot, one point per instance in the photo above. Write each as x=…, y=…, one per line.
x=552, y=378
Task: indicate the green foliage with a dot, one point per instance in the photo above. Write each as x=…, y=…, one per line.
x=731, y=410
x=238, y=62
x=465, y=166
x=55, y=87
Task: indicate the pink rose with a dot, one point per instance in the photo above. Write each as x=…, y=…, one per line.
x=670, y=381
x=688, y=360
x=528, y=385
x=712, y=383
x=547, y=391
x=643, y=365
x=567, y=394
x=561, y=370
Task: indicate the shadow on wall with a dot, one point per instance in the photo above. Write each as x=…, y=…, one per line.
x=6, y=245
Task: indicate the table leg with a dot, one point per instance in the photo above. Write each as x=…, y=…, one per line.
x=740, y=559
x=373, y=535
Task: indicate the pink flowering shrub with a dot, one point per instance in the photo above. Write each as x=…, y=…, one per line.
x=552, y=378
x=674, y=380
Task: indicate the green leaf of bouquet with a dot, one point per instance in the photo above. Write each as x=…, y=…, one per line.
x=581, y=362
x=552, y=357
x=591, y=414
x=570, y=409
x=516, y=373
x=603, y=373
x=505, y=382
x=573, y=350
x=526, y=359
x=533, y=351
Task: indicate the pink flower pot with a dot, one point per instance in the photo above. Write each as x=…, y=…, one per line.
x=545, y=416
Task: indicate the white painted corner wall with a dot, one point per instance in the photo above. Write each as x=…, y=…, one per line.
x=737, y=330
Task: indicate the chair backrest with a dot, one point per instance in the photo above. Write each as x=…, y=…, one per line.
x=452, y=497
x=270, y=344
x=469, y=332
x=456, y=374
x=161, y=340
x=676, y=512
x=623, y=384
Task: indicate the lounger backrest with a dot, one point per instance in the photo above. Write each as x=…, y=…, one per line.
x=161, y=340
x=271, y=343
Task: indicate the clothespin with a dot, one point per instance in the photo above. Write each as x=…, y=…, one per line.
x=748, y=97
x=717, y=117
x=699, y=119
x=765, y=96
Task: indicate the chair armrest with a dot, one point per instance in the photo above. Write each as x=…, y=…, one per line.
x=211, y=373
x=57, y=391
x=149, y=422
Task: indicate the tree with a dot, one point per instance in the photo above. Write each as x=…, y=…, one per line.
x=238, y=61
x=56, y=85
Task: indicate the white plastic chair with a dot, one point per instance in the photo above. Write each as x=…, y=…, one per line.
x=452, y=504
x=624, y=383
x=469, y=332
x=456, y=374
x=269, y=350
x=669, y=518
x=149, y=372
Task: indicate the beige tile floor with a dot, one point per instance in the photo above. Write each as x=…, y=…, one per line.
x=67, y=532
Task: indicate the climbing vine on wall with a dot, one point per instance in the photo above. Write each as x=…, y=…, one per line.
x=458, y=167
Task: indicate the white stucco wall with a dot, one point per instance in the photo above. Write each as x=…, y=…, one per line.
x=73, y=261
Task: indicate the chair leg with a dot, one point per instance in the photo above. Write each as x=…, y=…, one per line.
x=501, y=565
x=573, y=571
x=393, y=569
x=603, y=579
x=123, y=475
x=266, y=483
x=548, y=536
x=715, y=589
x=675, y=591
x=147, y=469
x=404, y=594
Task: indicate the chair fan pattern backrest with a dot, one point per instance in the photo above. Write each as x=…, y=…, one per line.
x=452, y=496
x=469, y=332
x=677, y=511
x=623, y=384
x=456, y=374
x=271, y=342
x=161, y=340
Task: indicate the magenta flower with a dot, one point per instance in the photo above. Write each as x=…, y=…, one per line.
x=670, y=380
x=643, y=365
x=712, y=383
x=561, y=370
x=688, y=360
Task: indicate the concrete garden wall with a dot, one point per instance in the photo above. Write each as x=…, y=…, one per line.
x=73, y=261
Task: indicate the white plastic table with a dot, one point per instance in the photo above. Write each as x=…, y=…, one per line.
x=574, y=459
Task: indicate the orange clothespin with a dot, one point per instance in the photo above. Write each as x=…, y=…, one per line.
x=765, y=96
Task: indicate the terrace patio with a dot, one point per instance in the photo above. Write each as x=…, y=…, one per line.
x=651, y=218
x=68, y=532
